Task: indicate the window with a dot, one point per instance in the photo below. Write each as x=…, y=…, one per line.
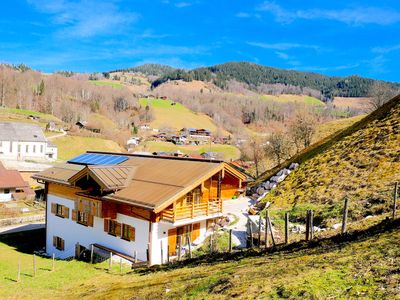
x=19, y=148
x=60, y=210
x=27, y=148
x=83, y=218
x=112, y=227
x=34, y=148
x=6, y=191
x=11, y=147
x=41, y=148
x=195, y=196
x=128, y=232
x=58, y=243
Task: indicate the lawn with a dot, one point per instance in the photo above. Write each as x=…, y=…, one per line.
x=364, y=264
x=177, y=116
x=113, y=84
x=71, y=146
x=228, y=151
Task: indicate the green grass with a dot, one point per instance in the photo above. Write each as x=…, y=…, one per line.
x=15, y=114
x=228, y=151
x=363, y=264
x=113, y=84
x=71, y=146
x=177, y=116
x=294, y=98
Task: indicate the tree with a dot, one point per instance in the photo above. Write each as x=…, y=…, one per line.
x=380, y=93
x=253, y=150
x=302, y=130
x=278, y=146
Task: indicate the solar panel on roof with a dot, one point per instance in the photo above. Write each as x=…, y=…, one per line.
x=98, y=159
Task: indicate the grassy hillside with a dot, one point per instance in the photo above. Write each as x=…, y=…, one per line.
x=114, y=84
x=328, y=269
x=329, y=128
x=21, y=115
x=71, y=146
x=176, y=116
x=228, y=151
x=361, y=163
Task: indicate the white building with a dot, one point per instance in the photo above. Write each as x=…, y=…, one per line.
x=23, y=141
x=133, y=204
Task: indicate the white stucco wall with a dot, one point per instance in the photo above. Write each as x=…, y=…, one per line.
x=73, y=233
x=40, y=152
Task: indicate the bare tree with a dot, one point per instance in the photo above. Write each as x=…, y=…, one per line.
x=302, y=130
x=380, y=93
x=278, y=147
x=254, y=151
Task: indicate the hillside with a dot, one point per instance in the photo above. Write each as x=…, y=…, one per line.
x=257, y=76
x=177, y=116
x=148, y=69
x=360, y=162
x=327, y=269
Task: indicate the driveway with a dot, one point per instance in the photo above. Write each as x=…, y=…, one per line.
x=239, y=208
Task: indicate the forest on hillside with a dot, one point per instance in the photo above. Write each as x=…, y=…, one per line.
x=270, y=80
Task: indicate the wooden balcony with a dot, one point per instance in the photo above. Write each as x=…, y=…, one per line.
x=210, y=207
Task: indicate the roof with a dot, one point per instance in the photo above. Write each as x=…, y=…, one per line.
x=11, y=178
x=151, y=182
x=22, y=132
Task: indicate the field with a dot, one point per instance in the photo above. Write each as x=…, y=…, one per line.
x=329, y=128
x=363, y=264
x=294, y=98
x=114, y=84
x=177, y=116
x=228, y=151
x=21, y=115
x=71, y=146
x=360, y=104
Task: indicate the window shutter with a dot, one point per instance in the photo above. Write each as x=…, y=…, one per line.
x=53, y=208
x=74, y=215
x=54, y=241
x=131, y=233
x=65, y=212
x=62, y=245
x=90, y=220
x=106, y=225
x=117, y=229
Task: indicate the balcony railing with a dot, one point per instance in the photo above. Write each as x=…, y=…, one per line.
x=210, y=207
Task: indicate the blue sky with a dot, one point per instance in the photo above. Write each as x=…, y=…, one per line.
x=331, y=37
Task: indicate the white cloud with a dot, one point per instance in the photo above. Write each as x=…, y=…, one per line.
x=243, y=15
x=282, y=46
x=85, y=18
x=351, y=16
x=383, y=50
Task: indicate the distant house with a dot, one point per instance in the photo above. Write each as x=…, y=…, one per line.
x=86, y=125
x=210, y=155
x=51, y=126
x=145, y=127
x=133, y=141
x=197, y=133
x=22, y=141
x=12, y=185
x=134, y=206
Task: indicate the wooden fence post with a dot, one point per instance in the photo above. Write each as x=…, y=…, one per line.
x=34, y=265
x=230, y=240
x=266, y=229
x=179, y=247
x=270, y=230
x=136, y=257
x=345, y=213
x=91, y=254
x=52, y=266
x=259, y=232
x=19, y=270
x=396, y=186
x=148, y=254
x=110, y=262
x=168, y=260
x=251, y=233
x=308, y=225
x=286, y=228
x=189, y=245
x=211, y=243
x=311, y=224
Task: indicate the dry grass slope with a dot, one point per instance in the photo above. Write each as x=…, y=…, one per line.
x=360, y=162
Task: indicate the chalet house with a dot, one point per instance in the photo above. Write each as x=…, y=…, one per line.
x=133, y=204
x=197, y=133
x=12, y=185
x=22, y=141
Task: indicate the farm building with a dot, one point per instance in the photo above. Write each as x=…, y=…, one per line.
x=12, y=185
x=22, y=141
x=196, y=133
x=133, y=204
